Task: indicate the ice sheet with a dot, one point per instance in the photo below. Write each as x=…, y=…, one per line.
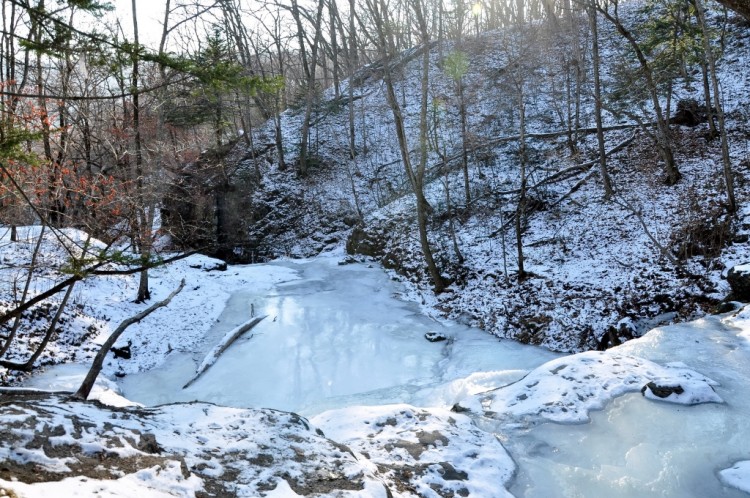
x=335, y=337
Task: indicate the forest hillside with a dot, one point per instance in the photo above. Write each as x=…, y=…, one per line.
x=500, y=132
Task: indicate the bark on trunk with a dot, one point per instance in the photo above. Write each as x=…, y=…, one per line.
x=607, y=182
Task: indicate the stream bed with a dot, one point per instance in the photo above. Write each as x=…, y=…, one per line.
x=339, y=336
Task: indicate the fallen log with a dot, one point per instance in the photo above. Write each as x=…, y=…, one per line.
x=222, y=346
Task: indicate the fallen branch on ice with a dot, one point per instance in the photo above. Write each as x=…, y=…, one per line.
x=222, y=346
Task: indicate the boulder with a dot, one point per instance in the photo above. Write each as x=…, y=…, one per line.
x=662, y=391
x=689, y=113
x=739, y=280
x=147, y=444
x=615, y=335
x=435, y=336
x=363, y=242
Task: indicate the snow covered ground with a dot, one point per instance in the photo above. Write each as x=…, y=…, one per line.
x=340, y=347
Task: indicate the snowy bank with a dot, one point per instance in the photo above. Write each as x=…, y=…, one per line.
x=566, y=389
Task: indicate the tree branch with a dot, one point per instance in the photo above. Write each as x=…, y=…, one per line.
x=96, y=367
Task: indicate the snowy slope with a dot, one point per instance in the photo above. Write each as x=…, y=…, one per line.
x=593, y=263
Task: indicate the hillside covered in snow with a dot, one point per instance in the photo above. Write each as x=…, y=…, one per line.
x=597, y=270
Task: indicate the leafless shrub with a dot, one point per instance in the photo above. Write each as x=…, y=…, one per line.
x=704, y=230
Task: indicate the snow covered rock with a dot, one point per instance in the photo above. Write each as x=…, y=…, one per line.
x=435, y=337
x=430, y=453
x=566, y=389
x=737, y=476
x=189, y=448
x=739, y=280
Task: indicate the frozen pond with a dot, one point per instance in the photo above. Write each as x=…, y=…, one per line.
x=337, y=336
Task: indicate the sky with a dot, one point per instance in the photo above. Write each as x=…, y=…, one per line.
x=150, y=15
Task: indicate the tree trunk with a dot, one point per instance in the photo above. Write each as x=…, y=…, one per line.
x=712, y=131
x=29, y=276
x=350, y=88
x=28, y=365
x=521, y=206
x=334, y=48
x=143, y=228
x=726, y=163
x=663, y=135
x=464, y=138
x=310, y=83
x=416, y=178
x=607, y=182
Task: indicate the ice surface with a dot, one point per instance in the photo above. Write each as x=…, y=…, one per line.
x=69, y=376
x=639, y=448
x=336, y=337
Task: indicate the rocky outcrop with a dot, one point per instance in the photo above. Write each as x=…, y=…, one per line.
x=689, y=113
x=420, y=452
x=200, y=450
x=740, y=6
x=739, y=281
x=193, y=446
x=365, y=242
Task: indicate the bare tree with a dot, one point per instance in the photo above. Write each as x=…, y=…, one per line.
x=309, y=68
x=596, y=63
x=662, y=133
x=387, y=46
x=711, y=62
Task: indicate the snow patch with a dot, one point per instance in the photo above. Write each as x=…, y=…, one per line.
x=566, y=389
x=737, y=476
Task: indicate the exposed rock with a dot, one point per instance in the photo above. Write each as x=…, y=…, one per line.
x=533, y=328
x=689, y=113
x=450, y=473
x=435, y=336
x=147, y=444
x=739, y=280
x=197, y=443
x=422, y=452
x=211, y=265
x=123, y=352
x=687, y=392
x=456, y=408
x=727, y=307
x=616, y=335
x=662, y=391
x=348, y=261
x=364, y=242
